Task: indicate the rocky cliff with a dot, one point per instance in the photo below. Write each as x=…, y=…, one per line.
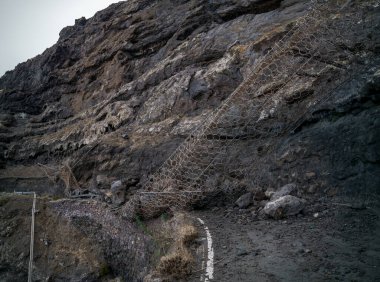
x=118, y=92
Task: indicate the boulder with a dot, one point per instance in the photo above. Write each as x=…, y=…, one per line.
x=287, y=189
x=245, y=200
x=284, y=206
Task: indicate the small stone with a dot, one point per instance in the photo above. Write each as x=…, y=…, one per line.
x=287, y=189
x=102, y=181
x=244, y=201
x=316, y=215
x=118, y=192
x=269, y=193
x=242, y=253
x=116, y=185
x=307, y=251
x=310, y=175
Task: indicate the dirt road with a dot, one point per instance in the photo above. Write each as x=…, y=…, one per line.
x=337, y=244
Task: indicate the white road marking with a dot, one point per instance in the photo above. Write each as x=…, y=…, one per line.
x=210, y=254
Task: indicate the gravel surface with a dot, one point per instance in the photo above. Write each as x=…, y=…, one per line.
x=337, y=243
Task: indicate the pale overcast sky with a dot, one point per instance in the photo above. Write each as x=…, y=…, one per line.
x=28, y=27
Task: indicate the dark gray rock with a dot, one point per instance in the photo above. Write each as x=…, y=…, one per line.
x=288, y=189
x=245, y=200
x=116, y=185
x=284, y=206
x=102, y=181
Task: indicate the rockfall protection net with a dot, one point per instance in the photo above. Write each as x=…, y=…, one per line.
x=299, y=72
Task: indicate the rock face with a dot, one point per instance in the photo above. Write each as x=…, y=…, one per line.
x=117, y=94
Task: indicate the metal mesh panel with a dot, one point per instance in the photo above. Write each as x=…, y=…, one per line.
x=312, y=49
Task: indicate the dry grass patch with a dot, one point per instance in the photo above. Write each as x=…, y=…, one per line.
x=177, y=264
x=178, y=261
x=187, y=234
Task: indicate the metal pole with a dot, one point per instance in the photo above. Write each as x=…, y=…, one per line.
x=31, y=240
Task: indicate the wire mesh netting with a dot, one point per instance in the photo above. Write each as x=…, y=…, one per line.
x=301, y=71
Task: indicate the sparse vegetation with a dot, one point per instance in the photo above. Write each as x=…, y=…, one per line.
x=56, y=197
x=177, y=264
x=3, y=200
x=188, y=234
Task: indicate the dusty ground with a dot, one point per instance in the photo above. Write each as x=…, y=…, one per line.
x=341, y=244
x=61, y=252
x=75, y=240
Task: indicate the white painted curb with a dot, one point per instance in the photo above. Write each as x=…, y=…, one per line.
x=210, y=254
